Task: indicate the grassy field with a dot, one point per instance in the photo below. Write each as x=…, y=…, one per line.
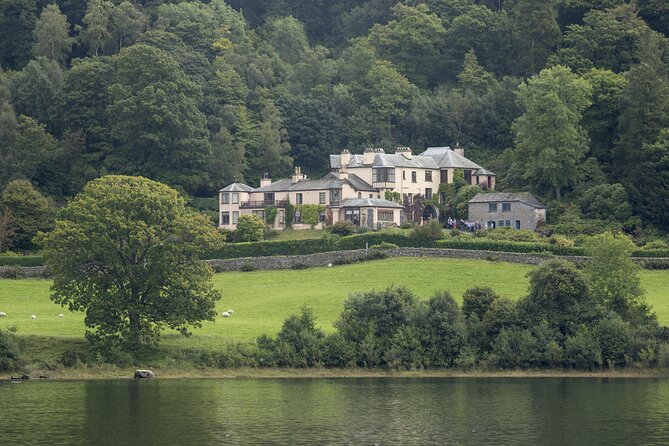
x=261, y=300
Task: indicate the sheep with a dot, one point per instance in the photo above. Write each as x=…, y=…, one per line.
x=33, y=317
x=3, y=314
x=230, y=311
x=61, y=315
x=225, y=314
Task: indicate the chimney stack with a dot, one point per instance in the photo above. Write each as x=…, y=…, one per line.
x=265, y=180
x=459, y=149
x=369, y=155
x=345, y=158
x=298, y=175
x=404, y=151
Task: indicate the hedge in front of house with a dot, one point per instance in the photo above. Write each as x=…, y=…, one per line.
x=14, y=260
x=651, y=253
x=481, y=244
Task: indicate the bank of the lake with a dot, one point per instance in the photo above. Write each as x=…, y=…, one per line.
x=107, y=372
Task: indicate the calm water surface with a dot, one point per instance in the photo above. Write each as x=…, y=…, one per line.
x=367, y=411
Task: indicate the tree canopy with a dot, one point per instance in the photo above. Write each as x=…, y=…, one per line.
x=126, y=252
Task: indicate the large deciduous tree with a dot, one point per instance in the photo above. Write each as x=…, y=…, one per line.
x=549, y=136
x=156, y=125
x=52, y=38
x=126, y=252
x=28, y=211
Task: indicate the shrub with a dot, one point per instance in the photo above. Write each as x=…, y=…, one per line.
x=477, y=301
x=582, y=351
x=70, y=358
x=514, y=348
x=337, y=351
x=250, y=228
x=561, y=241
x=507, y=233
x=9, y=351
x=655, y=244
x=614, y=335
x=429, y=232
x=247, y=267
x=342, y=227
x=384, y=245
x=663, y=355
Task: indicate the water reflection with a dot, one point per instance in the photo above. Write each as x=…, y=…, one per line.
x=337, y=411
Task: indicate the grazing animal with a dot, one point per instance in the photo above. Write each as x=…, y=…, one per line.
x=33, y=317
x=61, y=315
x=3, y=314
x=230, y=311
x=225, y=314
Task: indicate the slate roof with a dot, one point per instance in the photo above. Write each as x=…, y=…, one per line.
x=238, y=187
x=445, y=157
x=432, y=158
x=418, y=161
x=329, y=181
x=483, y=171
x=369, y=202
x=496, y=197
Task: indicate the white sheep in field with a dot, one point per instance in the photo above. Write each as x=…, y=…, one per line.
x=61, y=315
x=225, y=314
x=230, y=311
x=33, y=317
x=3, y=314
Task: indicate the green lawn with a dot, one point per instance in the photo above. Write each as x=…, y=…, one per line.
x=261, y=300
x=301, y=234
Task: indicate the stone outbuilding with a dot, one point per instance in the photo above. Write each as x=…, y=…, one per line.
x=519, y=210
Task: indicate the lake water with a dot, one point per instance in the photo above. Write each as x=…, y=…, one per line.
x=365, y=411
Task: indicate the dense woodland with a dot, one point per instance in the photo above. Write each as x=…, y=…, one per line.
x=566, y=98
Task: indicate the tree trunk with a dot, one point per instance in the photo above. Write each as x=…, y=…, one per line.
x=558, y=195
x=135, y=333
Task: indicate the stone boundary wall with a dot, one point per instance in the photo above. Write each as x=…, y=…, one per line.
x=335, y=257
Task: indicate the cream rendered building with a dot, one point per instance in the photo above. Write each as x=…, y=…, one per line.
x=342, y=197
x=356, y=188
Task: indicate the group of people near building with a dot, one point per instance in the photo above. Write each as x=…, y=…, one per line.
x=465, y=225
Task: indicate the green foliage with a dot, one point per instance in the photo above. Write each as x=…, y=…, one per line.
x=549, y=137
x=9, y=352
x=477, y=301
x=52, y=39
x=607, y=201
x=250, y=228
x=30, y=212
x=298, y=344
x=270, y=215
x=431, y=231
x=113, y=255
x=310, y=213
x=342, y=227
x=614, y=278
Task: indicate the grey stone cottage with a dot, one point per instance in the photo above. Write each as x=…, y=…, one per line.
x=519, y=210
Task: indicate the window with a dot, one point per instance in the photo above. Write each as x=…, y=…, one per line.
x=410, y=198
x=225, y=198
x=298, y=198
x=500, y=223
x=352, y=215
x=371, y=195
x=492, y=207
x=428, y=176
x=268, y=197
x=235, y=198
x=225, y=218
x=428, y=193
x=321, y=198
x=235, y=217
x=507, y=223
x=383, y=175
x=413, y=176
x=260, y=213
x=297, y=218
x=386, y=216
x=444, y=176
x=359, y=194
x=322, y=217
x=517, y=224
x=506, y=207
x=404, y=175
x=282, y=216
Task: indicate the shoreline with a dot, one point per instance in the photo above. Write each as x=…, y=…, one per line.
x=114, y=373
